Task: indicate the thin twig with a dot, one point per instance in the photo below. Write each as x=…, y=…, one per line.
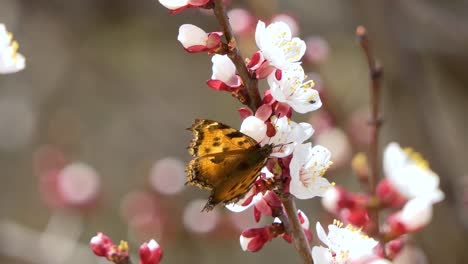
x=295, y=229
x=375, y=72
x=250, y=82
x=375, y=121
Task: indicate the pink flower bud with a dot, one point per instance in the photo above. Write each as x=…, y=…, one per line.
x=150, y=253
x=224, y=77
x=101, y=244
x=244, y=112
x=394, y=247
x=255, y=238
x=195, y=39
x=388, y=195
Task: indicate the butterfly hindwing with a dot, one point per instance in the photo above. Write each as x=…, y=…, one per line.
x=226, y=161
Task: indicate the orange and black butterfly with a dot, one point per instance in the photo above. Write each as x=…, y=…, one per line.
x=225, y=161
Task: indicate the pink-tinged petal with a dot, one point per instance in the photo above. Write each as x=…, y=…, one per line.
x=224, y=70
x=389, y=195
x=264, y=70
x=198, y=3
x=263, y=208
x=214, y=40
x=196, y=49
x=191, y=36
x=278, y=74
x=178, y=10
x=150, y=253
x=303, y=219
x=244, y=112
x=416, y=214
x=250, y=199
x=264, y=112
x=255, y=238
x=217, y=85
x=308, y=234
x=101, y=244
x=271, y=131
x=282, y=109
x=256, y=61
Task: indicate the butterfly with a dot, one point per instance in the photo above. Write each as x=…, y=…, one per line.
x=225, y=161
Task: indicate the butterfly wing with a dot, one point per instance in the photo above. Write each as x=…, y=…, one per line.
x=213, y=137
x=226, y=161
x=229, y=175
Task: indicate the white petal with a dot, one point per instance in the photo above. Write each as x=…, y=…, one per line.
x=300, y=156
x=191, y=35
x=321, y=234
x=238, y=207
x=259, y=33
x=330, y=200
x=11, y=63
x=173, y=4
x=317, y=187
x=393, y=157
x=416, y=213
x=224, y=70
x=321, y=255
x=244, y=242
x=254, y=127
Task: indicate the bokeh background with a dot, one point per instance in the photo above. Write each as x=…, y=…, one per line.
x=108, y=92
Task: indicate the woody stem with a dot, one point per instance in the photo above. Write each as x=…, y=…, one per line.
x=293, y=226
x=249, y=80
x=375, y=122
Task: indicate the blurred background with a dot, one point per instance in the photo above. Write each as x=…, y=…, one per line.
x=92, y=132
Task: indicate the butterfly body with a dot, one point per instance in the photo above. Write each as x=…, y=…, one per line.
x=226, y=161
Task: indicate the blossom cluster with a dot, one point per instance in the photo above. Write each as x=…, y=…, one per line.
x=295, y=166
x=408, y=191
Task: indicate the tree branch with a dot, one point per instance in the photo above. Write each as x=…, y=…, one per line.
x=250, y=82
x=375, y=122
x=294, y=228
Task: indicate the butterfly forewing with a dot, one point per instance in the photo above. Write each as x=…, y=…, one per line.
x=227, y=162
x=213, y=137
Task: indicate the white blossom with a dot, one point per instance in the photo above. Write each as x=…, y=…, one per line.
x=344, y=245
x=410, y=174
x=292, y=90
x=277, y=45
x=307, y=167
x=10, y=60
x=288, y=134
